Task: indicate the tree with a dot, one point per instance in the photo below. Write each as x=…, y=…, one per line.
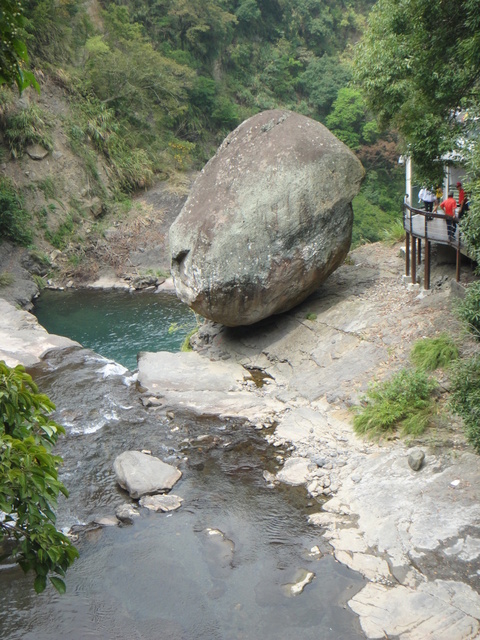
x=418, y=62
x=29, y=484
x=321, y=82
x=349, y=119
x=13, y=51
x=419, y=66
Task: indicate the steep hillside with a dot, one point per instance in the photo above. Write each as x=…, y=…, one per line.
x=134, y=95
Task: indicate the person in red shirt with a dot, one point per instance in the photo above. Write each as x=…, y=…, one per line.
x=449, y=205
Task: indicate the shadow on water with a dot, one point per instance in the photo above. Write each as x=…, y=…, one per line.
x=217, y=569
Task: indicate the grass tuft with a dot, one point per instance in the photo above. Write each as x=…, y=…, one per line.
x=186, y=346
x=394, y=234
x=6, y=279
x=401, y=403
x=430, y=354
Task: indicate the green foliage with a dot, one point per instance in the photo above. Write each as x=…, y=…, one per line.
x=48, y=187
x=369, y=220
x=55, y=29
x=186, y=346
x=466, y=397
x=61, y=237
x=393, y=234
x=430, y=354
x=13, y=51
x=377, y=208
x=39, y=281
x=401, y=403
x=225, y=113
x=6, y=279
x=131, y=167
x=14, y=219
x=349, y=120
x=415, y=87
x=29, y=484
x=469, y=309
x=321, y=81
x=28, y=126
x=148, y=77
x=471, y=222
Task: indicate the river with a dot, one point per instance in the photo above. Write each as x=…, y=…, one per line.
x=220, y=567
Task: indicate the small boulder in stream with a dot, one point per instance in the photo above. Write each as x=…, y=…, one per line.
x=267, y=221
x=142, y=474
x=161, y=502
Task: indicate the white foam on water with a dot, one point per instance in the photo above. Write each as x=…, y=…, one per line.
x=112, y=369
x=129, y=380
x=91, y=428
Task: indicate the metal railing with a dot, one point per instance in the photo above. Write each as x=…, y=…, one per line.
x=431, y=227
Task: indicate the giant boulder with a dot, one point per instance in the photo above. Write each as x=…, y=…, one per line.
x=267, y=220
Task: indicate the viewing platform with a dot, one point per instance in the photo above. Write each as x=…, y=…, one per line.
x=430, y=227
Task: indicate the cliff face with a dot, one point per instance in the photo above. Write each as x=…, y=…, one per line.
x=82, y=229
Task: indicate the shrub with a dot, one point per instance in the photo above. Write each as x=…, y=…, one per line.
x=466, y=397
x=393, y=234
x=61, y=237
x=28, y=126
x=14, y=219
x=403, y=402
x=434, y=353
x=469, y=309
x=186, y=346
x=6, y=278
x=29, y=484
x=48, y=187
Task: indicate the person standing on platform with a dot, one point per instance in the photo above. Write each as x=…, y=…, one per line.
x=449, y=205
x=428, y=198
x=439, y=196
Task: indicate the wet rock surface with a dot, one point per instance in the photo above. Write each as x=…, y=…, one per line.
x=142, y=474
x=22, y=339
x=415, y=535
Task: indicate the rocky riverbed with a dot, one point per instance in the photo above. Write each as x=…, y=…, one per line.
x=415, y=535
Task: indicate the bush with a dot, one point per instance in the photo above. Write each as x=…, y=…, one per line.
x=369, y=220
x=6, y=279
x=434, y=353
x=394, y=234
x=61, y=237
x=466, y=397
x=469, y=309
x=28, y=126
x=29, y=484
x=404, y=402
x=14, y=219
